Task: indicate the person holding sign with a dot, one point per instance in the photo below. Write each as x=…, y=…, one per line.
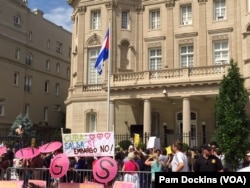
x=130, y=169
x=156, y=166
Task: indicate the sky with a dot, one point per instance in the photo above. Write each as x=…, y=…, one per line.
x=56, y=11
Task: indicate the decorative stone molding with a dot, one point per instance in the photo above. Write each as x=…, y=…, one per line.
x=186, y=41
x=151, y=39
x=246, y=34
x=170, y=3
x=111, y=4
x=139, y=9
x=82, y=9
x=202, y=1
x=154, y=44
x=93, y=41
x=223, y=30
x=220, y=37
x=186, y=35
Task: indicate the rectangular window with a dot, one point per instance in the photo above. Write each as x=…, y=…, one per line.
x=46, y=86
x=45, y=114
x=221, y=52
x=2, y=105
x=16, y=78
x=154, y=19
x=186, y=15
x=95, y=19
x=57, y=89
x=27, y=83
x=59, y=47
x=155, y=59
x=93, y=76
x=125, y=20
x=26, y=109
x=219, y=10
x=187, y=56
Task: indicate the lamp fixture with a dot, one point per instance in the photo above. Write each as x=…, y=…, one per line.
x=164, y=91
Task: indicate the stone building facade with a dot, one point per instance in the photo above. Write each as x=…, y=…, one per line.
x=35, y=59
x=167, y=59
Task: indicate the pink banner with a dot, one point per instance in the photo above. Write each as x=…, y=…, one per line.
x=11, y=184
x=81, y=185
x=123, y=184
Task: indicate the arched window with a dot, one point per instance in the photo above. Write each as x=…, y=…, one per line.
x=57, y=68
x=47, y=64
x=28, y=59
x=17, y=20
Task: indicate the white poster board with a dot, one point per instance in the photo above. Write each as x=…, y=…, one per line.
x=154, y=142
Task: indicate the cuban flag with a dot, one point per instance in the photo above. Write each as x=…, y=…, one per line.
x=103, y=54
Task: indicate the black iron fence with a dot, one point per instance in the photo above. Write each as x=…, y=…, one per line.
x=43, y=135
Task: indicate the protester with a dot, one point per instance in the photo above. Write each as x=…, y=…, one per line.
x=180, y=161
x=130, y=169
x=156, y=166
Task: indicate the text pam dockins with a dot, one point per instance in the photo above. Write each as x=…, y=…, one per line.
x=239, y=179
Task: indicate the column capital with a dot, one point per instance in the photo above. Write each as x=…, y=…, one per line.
x=170, y=3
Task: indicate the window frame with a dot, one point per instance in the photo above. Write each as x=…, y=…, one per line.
x=16, y=78
x=187, y=55
x=220, y=16
x=186, y=17
x=46, y=86
x=125, y=19
x=95, y=19
x=155, y=59
x=27, y=83
x=222, y=60
x=93, y=76
x=154, y=19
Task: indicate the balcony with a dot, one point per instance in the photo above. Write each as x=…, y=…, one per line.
x=165, y=77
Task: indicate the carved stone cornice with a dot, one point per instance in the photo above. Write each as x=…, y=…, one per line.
x=139, y=8
x=202, y=1
x=111, y=4
x=82, y=9
x=170, y=3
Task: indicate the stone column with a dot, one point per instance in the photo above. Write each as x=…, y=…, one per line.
x=147, y=117
x=186, y=119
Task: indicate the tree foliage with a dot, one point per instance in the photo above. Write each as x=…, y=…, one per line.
x=232, y=125
x=21, y=126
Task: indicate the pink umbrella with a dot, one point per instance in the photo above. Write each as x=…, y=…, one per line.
x=59, y=165
x=27, y=153
x=3, y=150
x=49, y=147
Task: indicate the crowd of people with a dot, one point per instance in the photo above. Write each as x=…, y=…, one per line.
x=131, y=162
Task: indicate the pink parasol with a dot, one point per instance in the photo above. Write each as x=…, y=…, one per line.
x=59, y=165
x=3, y=150
x=49, y=147
x=27, y=153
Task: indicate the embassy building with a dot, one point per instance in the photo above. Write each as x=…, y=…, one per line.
x=167, y=59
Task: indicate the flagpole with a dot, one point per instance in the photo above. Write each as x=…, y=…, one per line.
x=108, y=97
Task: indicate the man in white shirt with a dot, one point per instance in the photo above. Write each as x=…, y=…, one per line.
x=180, y=161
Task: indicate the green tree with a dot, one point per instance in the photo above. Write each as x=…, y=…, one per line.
x=232, y=125
x=21, y=126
